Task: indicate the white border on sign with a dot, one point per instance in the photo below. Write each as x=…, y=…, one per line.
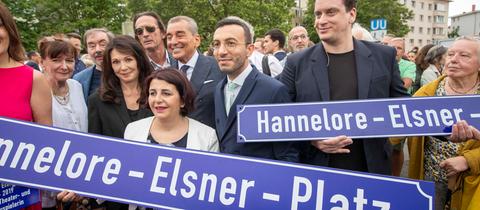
x=242, y=108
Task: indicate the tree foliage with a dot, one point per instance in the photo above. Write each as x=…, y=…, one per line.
x=454, y=33
x=37, y=18
x=262, y=14
x=395, y=13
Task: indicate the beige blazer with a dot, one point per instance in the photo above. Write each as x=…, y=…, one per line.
x=200, y=136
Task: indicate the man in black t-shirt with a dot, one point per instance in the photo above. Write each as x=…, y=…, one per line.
x=342, y=68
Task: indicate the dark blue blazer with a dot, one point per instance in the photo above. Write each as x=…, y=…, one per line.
x=257, y=89
x=206, y=75
x=85, y=78
x=306, y=77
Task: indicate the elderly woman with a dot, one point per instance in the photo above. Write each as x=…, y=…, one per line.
x=436, y=59
x=69, y=110
x=434, y=158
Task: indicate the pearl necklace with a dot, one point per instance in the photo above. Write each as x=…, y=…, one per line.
x=63, y=100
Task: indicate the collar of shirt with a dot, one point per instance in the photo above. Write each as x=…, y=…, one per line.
x=157, y=66
x=191, y=63
x=242, y=76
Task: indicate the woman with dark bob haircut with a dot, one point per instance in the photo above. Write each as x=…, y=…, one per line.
x=170, y=96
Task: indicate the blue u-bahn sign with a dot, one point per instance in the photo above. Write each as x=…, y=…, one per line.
x=378, y=24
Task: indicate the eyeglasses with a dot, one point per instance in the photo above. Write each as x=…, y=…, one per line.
x=149, y=29
x=229, y=45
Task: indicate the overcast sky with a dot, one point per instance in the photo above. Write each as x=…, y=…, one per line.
x=459, y=6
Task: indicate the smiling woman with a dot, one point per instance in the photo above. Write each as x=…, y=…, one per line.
x=25, y=94
x=58, y=60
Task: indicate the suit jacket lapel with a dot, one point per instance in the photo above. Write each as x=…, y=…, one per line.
x=220, y=113
x=242, y=97
x=200, y=73
x=320, y=72
x=364, y=68
x=121, y=109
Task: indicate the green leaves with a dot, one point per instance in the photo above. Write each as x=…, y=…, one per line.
x=395, y=13
x=65, y=16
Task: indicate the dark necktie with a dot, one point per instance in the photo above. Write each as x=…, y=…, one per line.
x=184, y=69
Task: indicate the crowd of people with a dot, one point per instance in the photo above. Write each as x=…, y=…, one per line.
x=156, y=87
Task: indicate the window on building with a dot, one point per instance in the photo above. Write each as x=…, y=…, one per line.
x=440, y=31
x=420, y=30
x=429, y=18
x=428, y=30
x=421, y=18
x=412, y=29
x=420, y=42
x=429, y=6
x=439, y=19
x=428, y=41
x=413, y=4
x=421, y=5
x=411, y=41
x=439, y=7
x=434, y=32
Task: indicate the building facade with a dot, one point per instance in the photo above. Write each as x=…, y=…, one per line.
x=429, y=24
x=468, y=23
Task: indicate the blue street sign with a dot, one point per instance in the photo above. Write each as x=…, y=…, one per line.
x=174, y=178
x=17, y=197
x=418, y=116
x=378, y=24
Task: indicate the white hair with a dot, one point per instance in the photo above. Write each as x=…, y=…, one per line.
x=365, y=35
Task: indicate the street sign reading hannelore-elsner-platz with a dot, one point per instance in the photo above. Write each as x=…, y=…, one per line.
x=173, y=178
x=417, y=116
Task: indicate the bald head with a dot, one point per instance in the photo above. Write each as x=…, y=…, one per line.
x=399, y=45
x=298, y=38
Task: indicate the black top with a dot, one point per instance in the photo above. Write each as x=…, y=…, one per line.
x=180, y=143
x=343, y=83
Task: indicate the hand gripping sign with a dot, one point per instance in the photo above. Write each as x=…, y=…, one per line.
x=418, y=116
x=172, y=178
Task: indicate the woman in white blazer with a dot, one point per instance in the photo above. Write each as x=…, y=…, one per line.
x=171, y=97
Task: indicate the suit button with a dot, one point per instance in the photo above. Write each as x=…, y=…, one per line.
x=200, y=100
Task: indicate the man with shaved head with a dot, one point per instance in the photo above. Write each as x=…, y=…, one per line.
x=298, y=38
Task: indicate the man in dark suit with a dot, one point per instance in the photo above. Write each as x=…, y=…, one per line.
x=244, y=84
x=202, y=71
x=342, y=68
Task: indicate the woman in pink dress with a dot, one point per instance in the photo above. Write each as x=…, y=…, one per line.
x=24, y=92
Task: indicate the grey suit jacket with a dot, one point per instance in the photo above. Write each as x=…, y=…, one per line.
x=206, y=75
x=306, y=77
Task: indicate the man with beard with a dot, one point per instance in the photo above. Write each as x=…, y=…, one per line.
x=244, y=84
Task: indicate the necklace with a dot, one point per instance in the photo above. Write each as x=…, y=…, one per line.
x=63, y=100
x=460, y=92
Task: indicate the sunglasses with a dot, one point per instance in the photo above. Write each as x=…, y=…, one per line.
x=149, y=29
